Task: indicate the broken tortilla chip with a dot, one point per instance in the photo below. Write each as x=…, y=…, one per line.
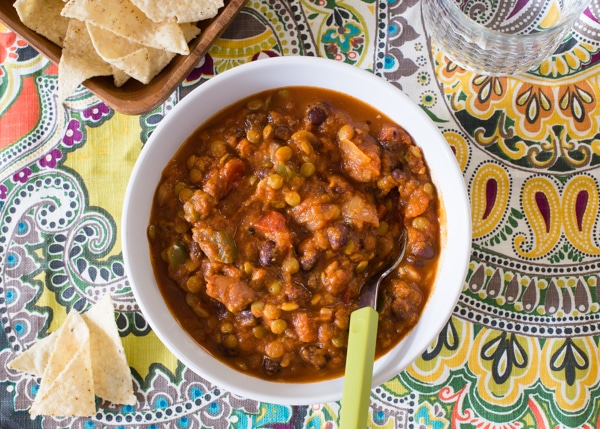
x=43, y=17
x=180, y=10
x=124, y=19
x=67, y=387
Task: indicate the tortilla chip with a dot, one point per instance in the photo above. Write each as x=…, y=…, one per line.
x=43, y=17
x=142, y=36
x=111, y=373
x=67, y=387
x=119, y=77
x=111, y=376
x=126, y=20
x=180, y=10
x=79, y=60
x=138, y=61
x=35, y=358
x=135, y=60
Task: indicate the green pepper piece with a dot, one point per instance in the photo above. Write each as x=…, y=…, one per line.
x=226, y=248
x=177, y=255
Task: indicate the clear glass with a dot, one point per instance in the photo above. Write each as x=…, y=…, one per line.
x=500, y=37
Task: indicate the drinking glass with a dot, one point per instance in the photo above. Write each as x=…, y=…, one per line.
x=500, y=37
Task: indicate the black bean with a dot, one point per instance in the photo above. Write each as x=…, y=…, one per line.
x=219, y=309
x=245, y=318
x=266, y=253
x=413, y=260
x=271, y=366
x=238, y=134
x=308, y=254
x=195, y=251
x=314, y=356
x=297, y=293
x=317, y=115
x=256, y=121
x=397, y=173
x=308, y=261
x=227, y=351
x=423, y=250
x=282, y=132
x=338, y=236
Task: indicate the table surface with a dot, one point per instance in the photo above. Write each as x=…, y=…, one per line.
x=521, y=348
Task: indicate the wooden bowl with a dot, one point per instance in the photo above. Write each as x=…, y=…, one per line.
x=135, y=98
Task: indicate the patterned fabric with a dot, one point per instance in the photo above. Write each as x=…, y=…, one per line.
x=521, y=349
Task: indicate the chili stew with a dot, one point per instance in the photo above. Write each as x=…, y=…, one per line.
x=272, y=216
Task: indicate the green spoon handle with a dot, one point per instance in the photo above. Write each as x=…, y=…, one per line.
x=359, y=368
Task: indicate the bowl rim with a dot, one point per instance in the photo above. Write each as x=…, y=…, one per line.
x=219, y=92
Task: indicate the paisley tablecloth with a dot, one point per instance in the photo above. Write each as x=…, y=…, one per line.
x=521, y=348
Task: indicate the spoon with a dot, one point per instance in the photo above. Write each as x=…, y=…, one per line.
x=361, y=349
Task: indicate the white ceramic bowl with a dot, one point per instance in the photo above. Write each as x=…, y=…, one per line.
x=222, y=91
